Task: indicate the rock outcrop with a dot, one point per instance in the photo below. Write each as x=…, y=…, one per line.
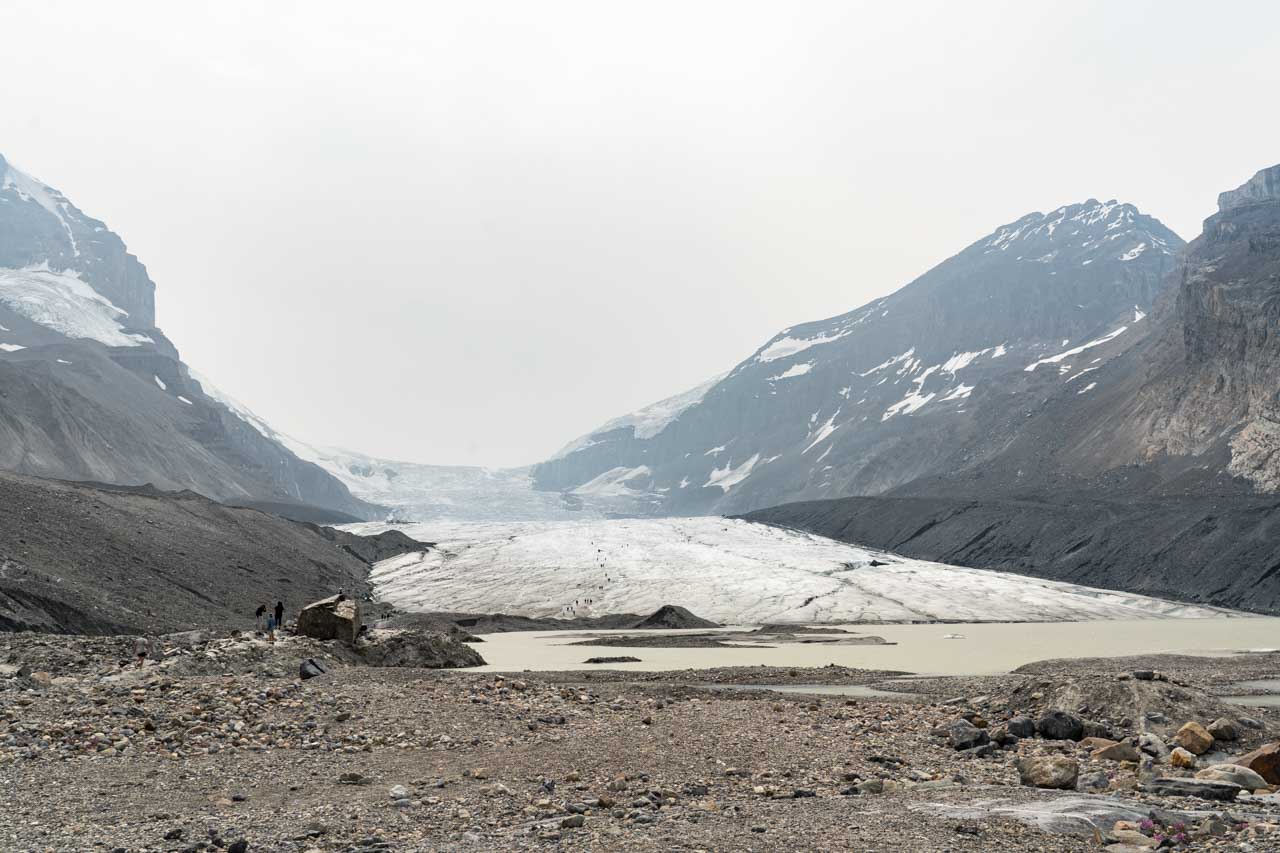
x=333, y=618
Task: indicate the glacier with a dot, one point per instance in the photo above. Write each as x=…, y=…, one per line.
x=729, y=570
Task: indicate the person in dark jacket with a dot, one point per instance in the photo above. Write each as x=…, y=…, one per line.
x=279, y=615
x=258, y=614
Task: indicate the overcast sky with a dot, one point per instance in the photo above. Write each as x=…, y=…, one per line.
x=468, y=232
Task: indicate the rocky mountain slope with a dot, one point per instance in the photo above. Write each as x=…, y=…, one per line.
x=1161, y=480
x=77, y=558
x=90, y=389
x=867, y=401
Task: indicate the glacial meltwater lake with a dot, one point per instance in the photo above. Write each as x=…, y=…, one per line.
x=983, y=649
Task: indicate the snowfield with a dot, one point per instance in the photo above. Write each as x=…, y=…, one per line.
x=731, y=571
x=66, y=304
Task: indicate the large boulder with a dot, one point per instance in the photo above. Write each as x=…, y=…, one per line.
x=1194, y=738
x=1223, y=729
x=1060, y=725
x=333, y=618
x=1265, y=761
x=1049, y=771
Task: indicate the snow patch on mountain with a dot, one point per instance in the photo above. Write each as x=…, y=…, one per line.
x=731, y=571
x=61, y=301
x=1054, y=359
x=788, y=346
x=793, y=371
x=728, y=476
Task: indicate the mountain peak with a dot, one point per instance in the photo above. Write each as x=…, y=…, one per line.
x=1262, y=188
x=1090, y=227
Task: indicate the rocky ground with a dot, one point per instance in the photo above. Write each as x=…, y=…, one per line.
x=234, y=752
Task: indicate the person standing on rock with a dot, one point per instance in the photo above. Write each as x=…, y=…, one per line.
x=279, y=615
x=141, y=648
x=258, y=614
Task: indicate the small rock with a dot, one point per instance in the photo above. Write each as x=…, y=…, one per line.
x=1182, y=758
x=1095, y=781
x=573, y=822
x=399, y=792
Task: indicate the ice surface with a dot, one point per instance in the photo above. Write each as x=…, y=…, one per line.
x=11, y=347
x=731, y=571
x=1138, y=314
x=1088, y=387
x=62, y=302
x=160, y=383
x=185, y=400
x=960, y=392
x=1134, y=252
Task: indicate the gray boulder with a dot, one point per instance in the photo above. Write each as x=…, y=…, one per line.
x=1060, y=725
x=1021, y=727
x=1049, y=771
x=964, y=735
x=1235, y=774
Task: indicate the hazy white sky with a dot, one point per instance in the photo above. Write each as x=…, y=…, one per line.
x=468, y=232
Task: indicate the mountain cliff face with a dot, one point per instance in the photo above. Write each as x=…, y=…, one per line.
x=90, y=389
x=1161, y=480
x=895, y=390
x=1193, y=407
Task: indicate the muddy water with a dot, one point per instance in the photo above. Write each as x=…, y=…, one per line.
x=983, y=649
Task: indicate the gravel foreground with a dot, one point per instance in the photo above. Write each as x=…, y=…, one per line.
x=173, y=758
